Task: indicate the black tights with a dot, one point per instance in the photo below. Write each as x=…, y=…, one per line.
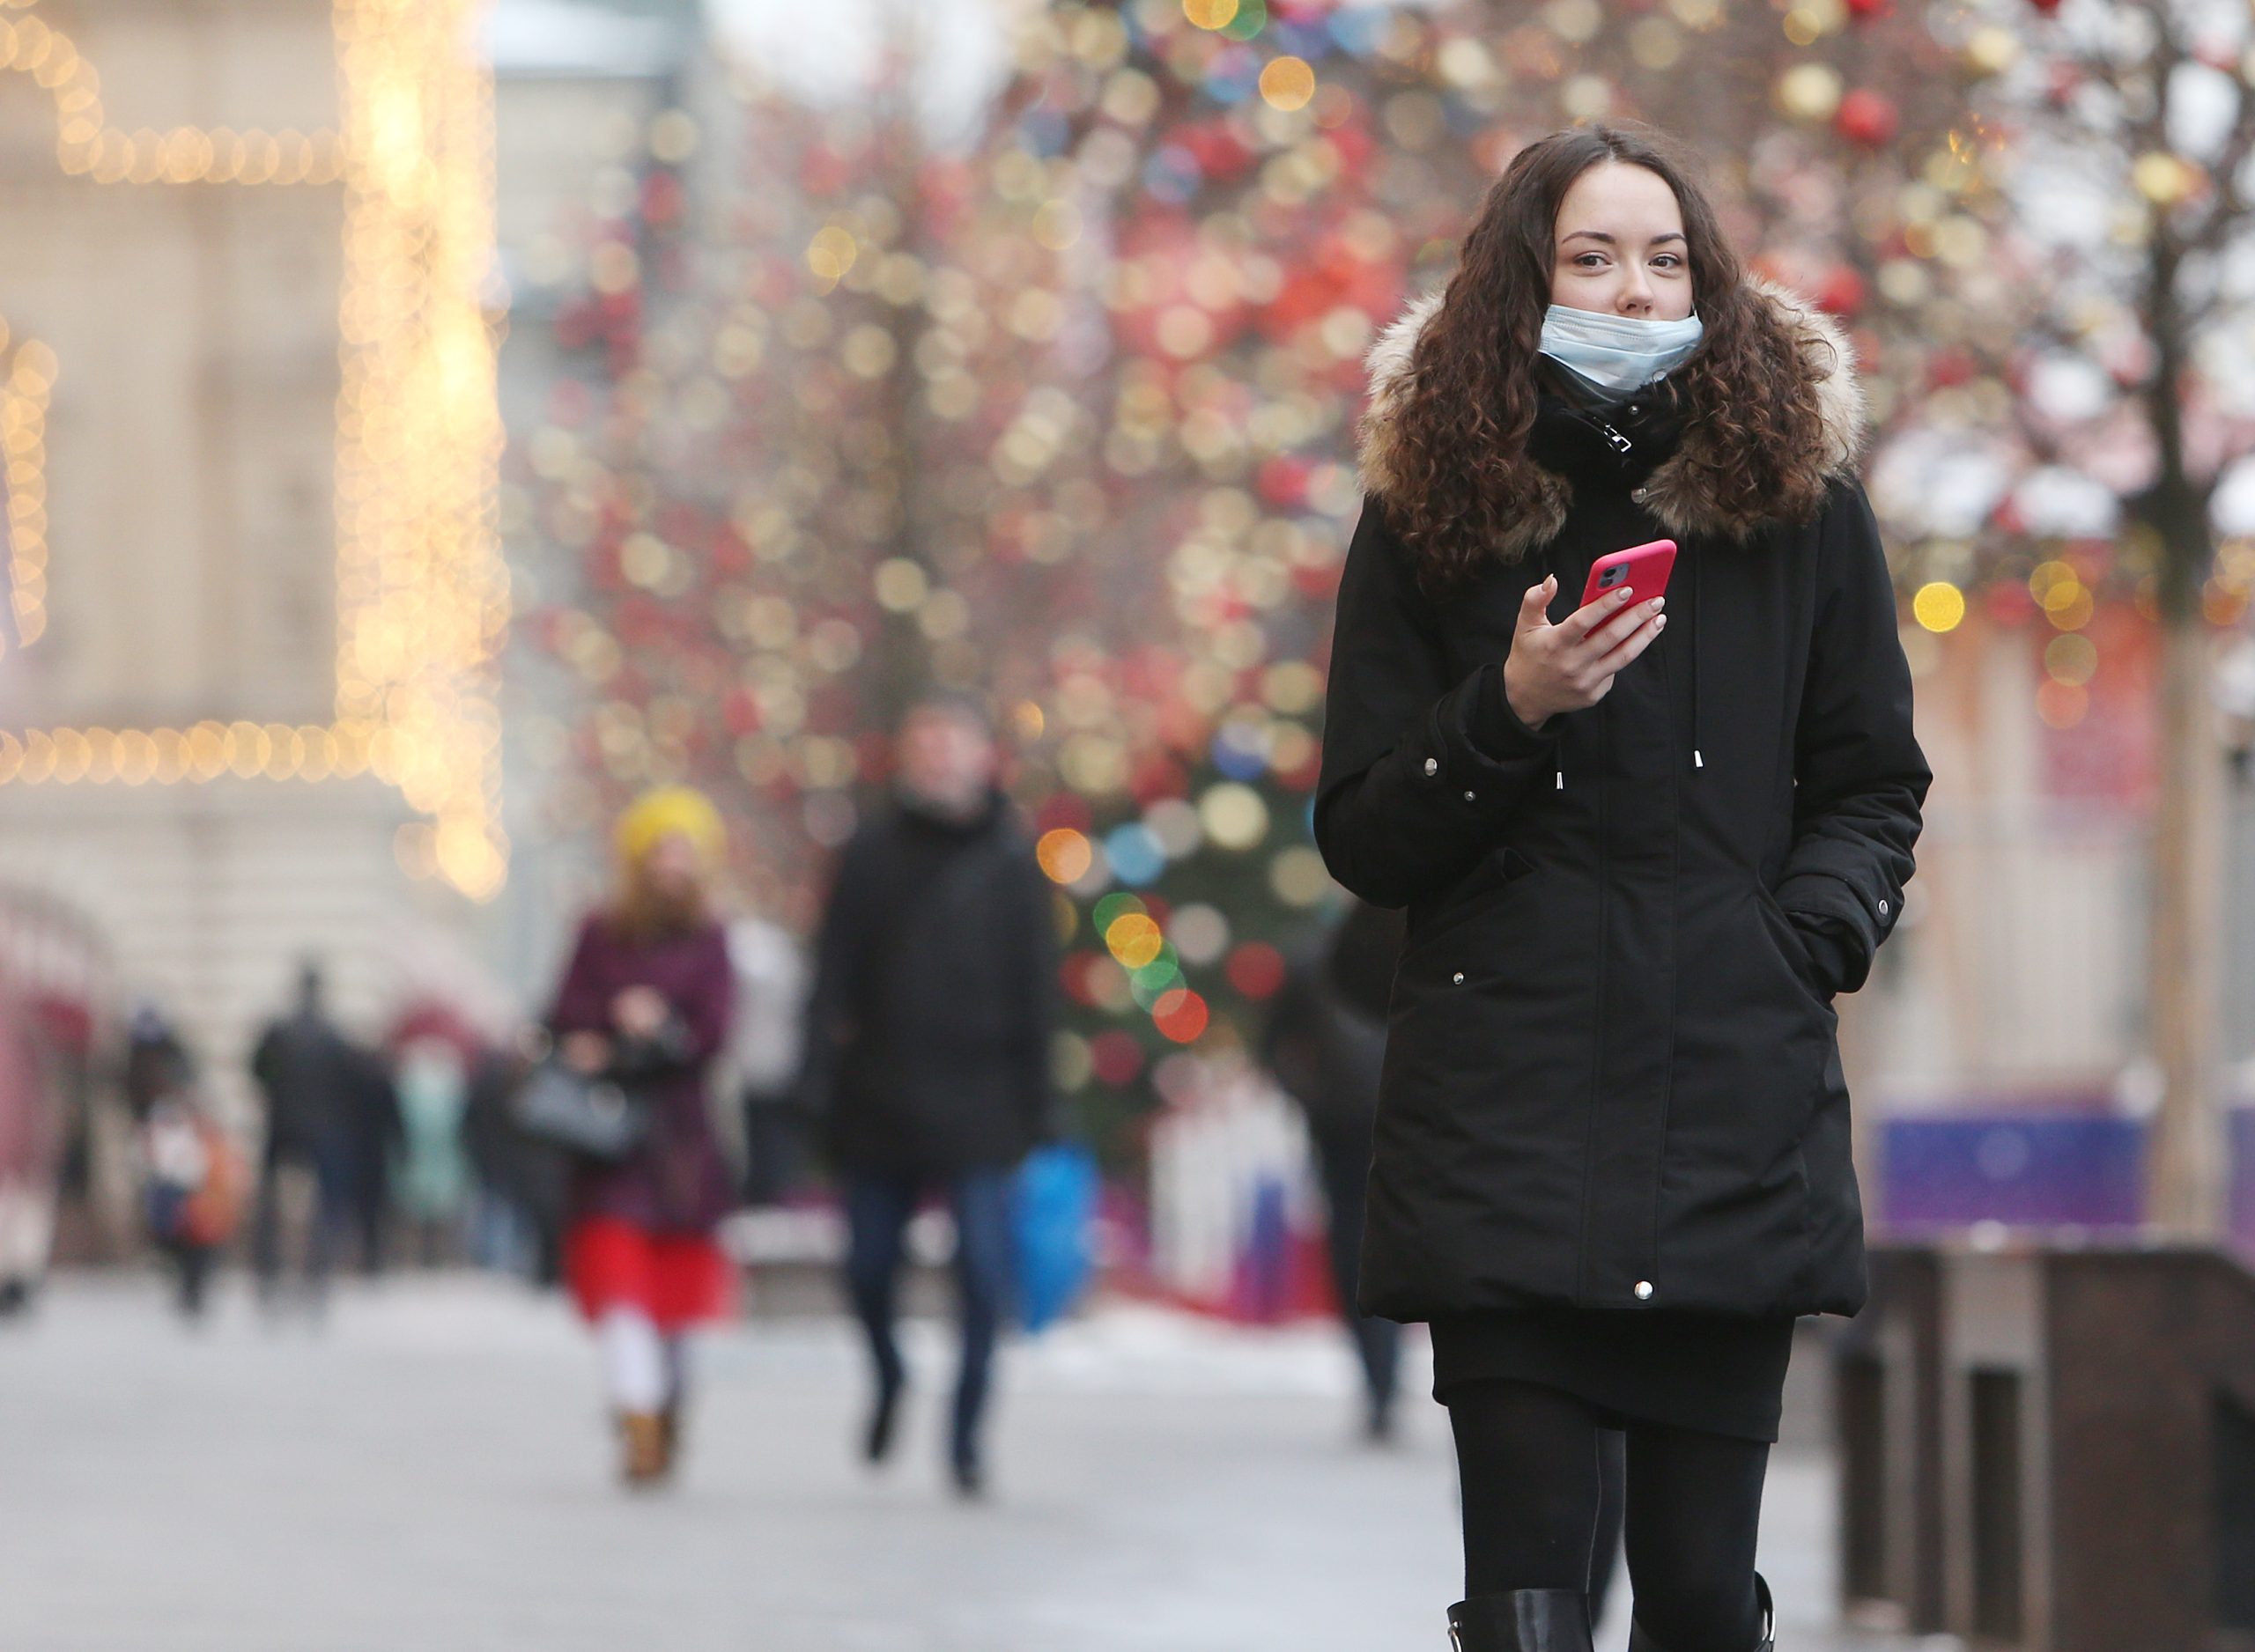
x=1527, y=1458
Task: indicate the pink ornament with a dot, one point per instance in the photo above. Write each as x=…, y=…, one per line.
x=1282, y=482
x=1867, y=117
x=1841, y=293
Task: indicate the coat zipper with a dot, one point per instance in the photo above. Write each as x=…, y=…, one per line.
x=1597, y=1022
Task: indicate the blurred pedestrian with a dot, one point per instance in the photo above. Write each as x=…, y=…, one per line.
x=434, y=1056
x=314, y=1083
x=928, y=1045
x=764, y=1055
x=192, y=1177
x=1323, y=1044
x=516, y=1221
x=1611, y=1162
x=155, y=1061
x=29, y=1142
x=644, y=1003
x=374, y=1140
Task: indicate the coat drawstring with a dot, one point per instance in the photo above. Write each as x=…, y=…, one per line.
x=1698, y=759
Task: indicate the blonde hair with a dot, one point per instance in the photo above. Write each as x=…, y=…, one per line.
x=673, y=811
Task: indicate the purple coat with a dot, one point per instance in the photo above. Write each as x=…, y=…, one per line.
x=677, y=1181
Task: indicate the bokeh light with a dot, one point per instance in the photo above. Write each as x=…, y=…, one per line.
x=1065, y=855
x=1939, y=606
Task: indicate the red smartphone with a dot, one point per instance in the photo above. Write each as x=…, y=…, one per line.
x=1643, y=569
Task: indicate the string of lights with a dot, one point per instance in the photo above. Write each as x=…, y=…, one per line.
x=26, y=378
x=422, y=594
x=167, y=757
x=87, y=145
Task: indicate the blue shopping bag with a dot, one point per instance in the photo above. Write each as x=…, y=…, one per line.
x=1053, y=1228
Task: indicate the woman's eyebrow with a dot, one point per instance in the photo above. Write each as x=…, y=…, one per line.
x=1599, y=235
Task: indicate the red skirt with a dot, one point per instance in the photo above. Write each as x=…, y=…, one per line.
x=676, y=1279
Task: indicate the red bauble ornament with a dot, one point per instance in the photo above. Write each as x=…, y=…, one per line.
x=1154, y=777
x=2047, y=7
x=1219, y=149
x=2009, y=603
x=1061, y=811
x=1116, y=1057
x=1841, y=293
x=1867, y=117
x=1948, y=368
x=1317, y=581
x=662, y=198
x=1869, y=8
x=1256, y=970
x=1282, y=482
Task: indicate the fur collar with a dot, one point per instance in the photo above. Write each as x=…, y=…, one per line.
x=1676, y=493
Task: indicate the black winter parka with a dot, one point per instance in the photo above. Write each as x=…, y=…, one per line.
x=1612, y=1078
x=934, y=1000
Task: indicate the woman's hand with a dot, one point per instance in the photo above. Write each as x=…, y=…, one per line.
x=586, y=1052
x=1570, y=665
x=640, y=1012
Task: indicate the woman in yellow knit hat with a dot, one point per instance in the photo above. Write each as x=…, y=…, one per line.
x=644, y=1002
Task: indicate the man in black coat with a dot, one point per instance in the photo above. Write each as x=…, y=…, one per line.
x=314, y=1083
x=928, y=1042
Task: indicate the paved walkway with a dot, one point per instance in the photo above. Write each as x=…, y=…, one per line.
x=426, y=1474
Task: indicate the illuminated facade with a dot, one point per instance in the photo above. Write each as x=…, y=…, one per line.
x=247, y=324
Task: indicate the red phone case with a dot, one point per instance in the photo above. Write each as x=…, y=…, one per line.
x=1644, y=568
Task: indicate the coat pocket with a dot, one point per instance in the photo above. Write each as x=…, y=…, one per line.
x=1785, y=941
x=1466, y=899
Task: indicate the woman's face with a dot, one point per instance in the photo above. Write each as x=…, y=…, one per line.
x=673, y=869
x=1618, y=245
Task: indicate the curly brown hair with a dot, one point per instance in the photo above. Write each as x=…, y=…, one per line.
x=1462, y=425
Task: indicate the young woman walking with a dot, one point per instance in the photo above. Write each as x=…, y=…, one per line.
x=1642, y=844
x=644, y=1001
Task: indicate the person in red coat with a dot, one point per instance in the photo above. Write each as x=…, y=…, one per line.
x=645, y=1001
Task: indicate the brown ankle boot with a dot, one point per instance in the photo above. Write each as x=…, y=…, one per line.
x=645, y=1454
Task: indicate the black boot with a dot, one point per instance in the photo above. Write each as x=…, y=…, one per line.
x=1639, y=1642
x=1524, y=1620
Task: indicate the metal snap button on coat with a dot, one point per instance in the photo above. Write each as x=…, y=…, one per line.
x=1643, y=1290
x=1883, y=909
x=1458, y=977
x=1432, y=765
x=1467, y=797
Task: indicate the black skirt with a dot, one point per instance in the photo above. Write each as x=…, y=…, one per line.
x=1703, y=1371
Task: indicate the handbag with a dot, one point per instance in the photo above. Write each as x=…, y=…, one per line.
x=593, y=1116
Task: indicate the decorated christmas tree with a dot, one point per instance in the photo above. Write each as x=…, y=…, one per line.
x=1269, y=183
x=1067, y=416
x=772, y=493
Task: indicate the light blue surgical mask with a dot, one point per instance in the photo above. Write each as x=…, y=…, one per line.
x=1617, y=353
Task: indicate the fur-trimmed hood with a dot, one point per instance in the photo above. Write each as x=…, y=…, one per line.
x=1676, y=493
